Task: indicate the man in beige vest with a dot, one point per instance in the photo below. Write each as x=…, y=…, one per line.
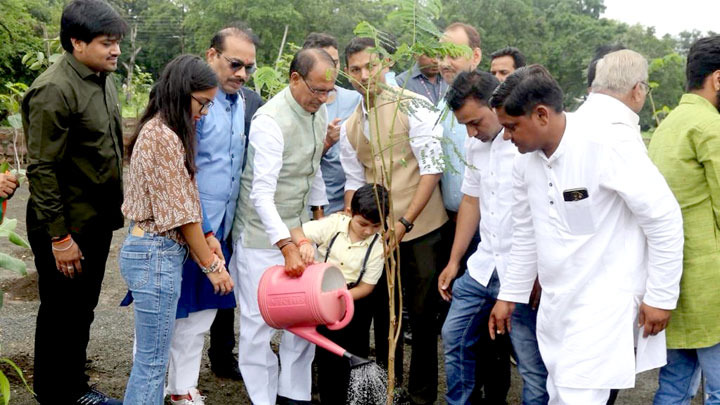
x=281, y=178
x=377, y=130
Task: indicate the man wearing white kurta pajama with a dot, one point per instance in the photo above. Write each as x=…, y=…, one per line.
x=282, y=177
x=595, y=220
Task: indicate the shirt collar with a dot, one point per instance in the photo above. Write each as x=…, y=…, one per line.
x=82, y=69
x=566, y=138
x=614, y=108
x=694, y=99
x=224, y=99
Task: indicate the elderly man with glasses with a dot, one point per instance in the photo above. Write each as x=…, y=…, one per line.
x=282, y=177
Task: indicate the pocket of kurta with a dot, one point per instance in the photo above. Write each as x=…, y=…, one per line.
x=579, y=217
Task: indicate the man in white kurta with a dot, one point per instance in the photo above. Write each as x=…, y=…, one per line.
x=591, y=214
x=282, y=177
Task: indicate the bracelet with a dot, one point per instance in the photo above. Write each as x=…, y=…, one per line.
x=72, y=242
x=61, y=240
x=209, y=234
x=302, y=242
x=282, y=245
x=213, y=267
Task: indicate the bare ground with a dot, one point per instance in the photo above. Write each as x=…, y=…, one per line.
x=110, y=349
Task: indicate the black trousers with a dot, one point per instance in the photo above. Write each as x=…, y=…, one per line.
x=333, y=371
x=222, y=338
x=420, y=261
x=65, y=315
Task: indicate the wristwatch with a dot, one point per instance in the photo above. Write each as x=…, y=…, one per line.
x=407, y=224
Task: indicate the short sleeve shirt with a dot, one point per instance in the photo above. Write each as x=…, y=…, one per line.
x=160, y=195
x=348, y=256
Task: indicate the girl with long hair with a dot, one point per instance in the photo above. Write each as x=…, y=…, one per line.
x=163, y=204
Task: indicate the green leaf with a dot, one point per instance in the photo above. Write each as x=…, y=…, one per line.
x=25, y=58
x=54, y=57
x=11, y=263
x=4, y=167
x=18, y=240
x=35, y=66
x=15, y=121
x=4, y=388
x=40, y=57
x=9, y=224
x=18, y=371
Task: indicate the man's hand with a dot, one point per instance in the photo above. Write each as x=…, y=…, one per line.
x=399, y=234
x=294, y=265
x=307, y=253
x=654, y=319
x=67, y=257
x=446, y=277
x=8, y=184
x=500, y=318
x=214, y=245
x=221, y=281
x=333, y=133
x=535, y=295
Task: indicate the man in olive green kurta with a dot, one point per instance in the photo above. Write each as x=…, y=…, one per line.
x=686, y=149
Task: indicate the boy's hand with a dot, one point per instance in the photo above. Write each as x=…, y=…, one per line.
x=307, y=253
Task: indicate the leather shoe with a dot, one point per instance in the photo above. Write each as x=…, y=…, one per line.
x=287, y=401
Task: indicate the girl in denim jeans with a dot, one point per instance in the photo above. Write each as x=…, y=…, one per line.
x=162, y=202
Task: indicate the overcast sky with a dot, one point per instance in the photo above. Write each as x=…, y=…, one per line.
x=667, y=16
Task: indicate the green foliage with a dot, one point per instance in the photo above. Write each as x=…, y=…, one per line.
x=39, y=61
x=139, y=92
x=667, y=80
x=5, y=383
x=10, y=104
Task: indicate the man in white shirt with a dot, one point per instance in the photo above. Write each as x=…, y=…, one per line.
x=618, y=91
x=486, y=188
x=398, y=124
x=281, y=178
x=595, y=220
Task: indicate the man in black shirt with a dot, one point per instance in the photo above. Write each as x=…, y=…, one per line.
x=71, y=118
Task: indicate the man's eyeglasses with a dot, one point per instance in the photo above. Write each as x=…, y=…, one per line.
x=204, y=107
x=318, y=92
x=236, y=65
x=648, y=89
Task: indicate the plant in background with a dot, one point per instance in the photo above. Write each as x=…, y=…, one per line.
x=5, y=384
x=137, y=93
x=10, y=104
x=39, y=61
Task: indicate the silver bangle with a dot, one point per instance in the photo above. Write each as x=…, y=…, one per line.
x=72, y=242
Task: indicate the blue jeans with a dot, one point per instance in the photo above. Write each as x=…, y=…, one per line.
x=469, y=312
x=530, y=364
x=152, y=268
x=680, y=377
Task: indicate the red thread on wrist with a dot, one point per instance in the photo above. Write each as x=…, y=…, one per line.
x=64, y=239
x=302, y=242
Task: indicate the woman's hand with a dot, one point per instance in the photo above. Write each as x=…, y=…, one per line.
x=221, y=281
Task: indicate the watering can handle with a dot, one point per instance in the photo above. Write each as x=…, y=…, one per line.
x=349, y=310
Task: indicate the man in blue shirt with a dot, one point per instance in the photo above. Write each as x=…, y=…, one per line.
x=424, y=79
x=339, y=109
x=220, y=155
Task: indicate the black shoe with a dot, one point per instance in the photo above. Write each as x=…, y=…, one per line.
x=95, y=397
x=227, y=369
x=287, y=401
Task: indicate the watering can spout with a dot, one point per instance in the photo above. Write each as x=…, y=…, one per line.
x=355, y=361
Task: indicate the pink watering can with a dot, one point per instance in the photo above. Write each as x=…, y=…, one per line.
x=298, y=304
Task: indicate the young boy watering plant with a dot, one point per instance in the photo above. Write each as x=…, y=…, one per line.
x=353, y=244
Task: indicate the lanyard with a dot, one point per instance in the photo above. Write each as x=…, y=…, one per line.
x=427, y=90
x=364, y=263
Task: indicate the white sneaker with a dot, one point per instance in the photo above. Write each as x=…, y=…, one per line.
x=195, y=399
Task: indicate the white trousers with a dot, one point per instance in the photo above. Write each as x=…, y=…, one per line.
x=258, y=364
x=575, y=396
x=186, y=351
